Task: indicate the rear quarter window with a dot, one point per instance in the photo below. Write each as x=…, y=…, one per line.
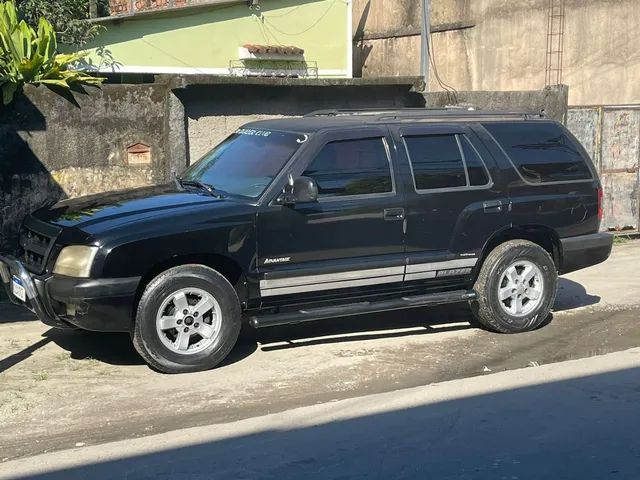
x=541, y=151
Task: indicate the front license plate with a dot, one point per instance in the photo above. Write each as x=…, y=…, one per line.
x=17, y=288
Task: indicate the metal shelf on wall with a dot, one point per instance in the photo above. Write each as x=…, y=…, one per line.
x=278, y=69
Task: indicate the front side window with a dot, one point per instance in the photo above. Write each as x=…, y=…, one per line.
x=246, y=162
x=352, y=167
x=541, y=151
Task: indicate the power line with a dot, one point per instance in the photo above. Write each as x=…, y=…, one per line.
x=309, y=28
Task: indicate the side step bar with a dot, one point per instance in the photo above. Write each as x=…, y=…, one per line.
x=311, y=315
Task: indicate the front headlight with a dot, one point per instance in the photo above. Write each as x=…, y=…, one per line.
x=75, y=261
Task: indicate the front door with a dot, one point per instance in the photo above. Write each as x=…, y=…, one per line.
x=349, y=242
x=455, y=204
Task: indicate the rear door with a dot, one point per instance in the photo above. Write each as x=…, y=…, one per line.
x=454, y=203
x=348, y=243
x=554, y=184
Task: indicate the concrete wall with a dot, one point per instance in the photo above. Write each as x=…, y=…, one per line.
x=52, y=148
x=501, y=45
x=551, y=101
x=215, y=111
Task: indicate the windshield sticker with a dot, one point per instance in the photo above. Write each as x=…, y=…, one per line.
x=303, y=139
x=254, y=133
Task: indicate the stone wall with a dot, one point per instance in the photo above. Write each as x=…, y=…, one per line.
x=52, y=147
x=120, y=7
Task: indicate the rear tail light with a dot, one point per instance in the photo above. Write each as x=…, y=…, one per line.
x=600, y=200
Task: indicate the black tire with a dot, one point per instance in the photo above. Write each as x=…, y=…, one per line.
x=487, y=309
x=146, y=338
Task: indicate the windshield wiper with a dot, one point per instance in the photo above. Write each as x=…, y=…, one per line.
x=202, y=186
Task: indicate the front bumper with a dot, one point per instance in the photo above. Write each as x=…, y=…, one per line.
x=585, y=250
x=64, y=302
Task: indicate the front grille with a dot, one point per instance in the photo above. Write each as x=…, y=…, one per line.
x=36, y=242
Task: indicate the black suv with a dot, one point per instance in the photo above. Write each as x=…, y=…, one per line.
x=337, y=213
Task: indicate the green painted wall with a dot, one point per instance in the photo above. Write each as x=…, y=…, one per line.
x=205, y=39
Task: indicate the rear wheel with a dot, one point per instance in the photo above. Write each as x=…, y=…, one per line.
x=516, y=288
x=188, y=319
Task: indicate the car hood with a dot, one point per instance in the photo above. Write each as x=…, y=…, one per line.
x=122, y=206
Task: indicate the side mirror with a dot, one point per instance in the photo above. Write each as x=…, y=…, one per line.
x=300, y=190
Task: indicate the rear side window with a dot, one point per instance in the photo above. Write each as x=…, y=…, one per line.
x=445, y=161
x=352, y=167
x=436, y=161
x=541, y=151
x=477, y=171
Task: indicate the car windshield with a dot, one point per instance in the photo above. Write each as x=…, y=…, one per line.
x=246, y=162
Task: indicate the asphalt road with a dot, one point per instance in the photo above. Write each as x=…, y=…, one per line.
x=62, y=389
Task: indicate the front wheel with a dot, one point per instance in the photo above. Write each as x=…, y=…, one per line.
x=516, y=288
x=188, y=319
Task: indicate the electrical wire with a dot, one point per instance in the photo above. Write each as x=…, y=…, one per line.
x=273, y=35
x=288, y=12
x=452, y=93
x=309, y=28
x=170, y=55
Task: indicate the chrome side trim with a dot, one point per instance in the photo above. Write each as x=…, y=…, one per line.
x=330, y=277
x=359, y=278
x=270, y=292
x=419, y=276
x=459, y=263
x=454, y=272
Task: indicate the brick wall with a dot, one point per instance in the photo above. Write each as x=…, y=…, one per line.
x=120, y=7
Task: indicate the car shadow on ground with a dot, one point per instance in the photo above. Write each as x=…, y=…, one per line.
x=572, y=295
x=393, y=324
x=117, y=349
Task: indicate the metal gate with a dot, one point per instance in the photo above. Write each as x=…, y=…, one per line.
x=611, y=135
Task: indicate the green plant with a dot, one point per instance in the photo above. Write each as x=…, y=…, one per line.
x=28, y=56
x=67, y=17
x=620, y=240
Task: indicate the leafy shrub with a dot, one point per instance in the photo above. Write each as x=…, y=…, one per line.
x=28, y=56
x=66, y=16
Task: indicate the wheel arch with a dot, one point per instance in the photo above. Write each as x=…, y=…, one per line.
x=227, y=267
x=541, y=235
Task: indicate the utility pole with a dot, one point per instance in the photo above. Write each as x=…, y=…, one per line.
x=426, y=38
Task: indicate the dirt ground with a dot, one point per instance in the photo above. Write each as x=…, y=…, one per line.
x=63, y=389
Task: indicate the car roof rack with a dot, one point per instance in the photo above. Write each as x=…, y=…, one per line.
x=387, y=114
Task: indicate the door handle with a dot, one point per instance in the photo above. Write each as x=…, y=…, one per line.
x=494, y=206
x=393, y=214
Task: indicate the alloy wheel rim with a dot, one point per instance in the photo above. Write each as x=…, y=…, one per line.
x=189, y=321
x=521, y=288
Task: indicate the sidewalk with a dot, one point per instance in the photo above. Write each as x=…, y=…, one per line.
x=576, y=419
